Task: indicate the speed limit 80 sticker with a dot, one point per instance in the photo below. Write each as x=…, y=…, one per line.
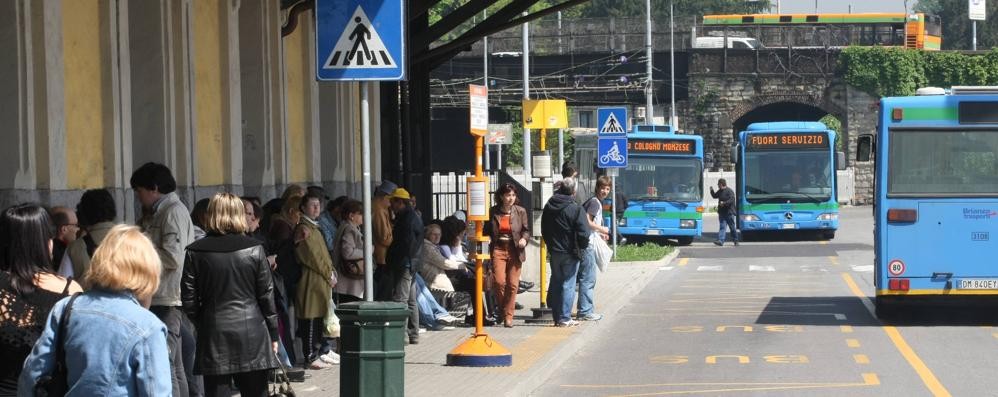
x=895, y=267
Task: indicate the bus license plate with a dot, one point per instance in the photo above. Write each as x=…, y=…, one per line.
x=652, y=232
x=978, y=284
x=789, y=226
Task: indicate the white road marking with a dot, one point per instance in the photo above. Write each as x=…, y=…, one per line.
x=862, y=268
x=754, y=268
x=666, y=268
x=710, y=268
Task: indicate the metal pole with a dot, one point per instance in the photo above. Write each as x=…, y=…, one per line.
x=561, y=147
x=973, y=34
x=365, y=132
x=649, y=110
x=613, y=212
x=485, y=78
x=560, y=51
x=673, y=121
x=526, y=95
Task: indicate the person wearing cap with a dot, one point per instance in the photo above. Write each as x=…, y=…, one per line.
x=381, y=232
x=404, y=258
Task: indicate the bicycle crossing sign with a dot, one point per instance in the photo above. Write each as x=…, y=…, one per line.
x=612, y=121
x=611, y=153
x=360, y=40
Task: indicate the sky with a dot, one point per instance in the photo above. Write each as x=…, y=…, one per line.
x=829, y=6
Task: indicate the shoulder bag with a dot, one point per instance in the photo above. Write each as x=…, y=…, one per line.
x=56, y=383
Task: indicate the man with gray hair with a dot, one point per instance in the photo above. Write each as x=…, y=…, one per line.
x=566, y=232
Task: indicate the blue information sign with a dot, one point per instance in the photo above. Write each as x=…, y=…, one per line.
x=611, y=121
x=360, y=40
x=612, y=153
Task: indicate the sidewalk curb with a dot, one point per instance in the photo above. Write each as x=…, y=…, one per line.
x=542, y=370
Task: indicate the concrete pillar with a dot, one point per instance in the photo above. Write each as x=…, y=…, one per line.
x=261, y=94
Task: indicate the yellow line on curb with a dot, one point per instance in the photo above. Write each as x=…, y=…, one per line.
x=869, y=379
x=531, y=349
x=684, y=261
x=923, y=371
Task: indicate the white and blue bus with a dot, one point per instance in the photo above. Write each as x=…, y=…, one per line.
x=785, y=174
x=662, y=185
x=936, y=196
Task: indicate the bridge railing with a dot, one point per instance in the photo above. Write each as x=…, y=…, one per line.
x=767, y=61
x=548, y=36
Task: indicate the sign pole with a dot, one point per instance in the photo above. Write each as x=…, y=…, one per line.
x=613, y=210
x=480, y=350
x=365, y=132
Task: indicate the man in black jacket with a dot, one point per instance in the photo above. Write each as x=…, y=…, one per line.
x=403, y=258
x=566, y=232
x=726, y=211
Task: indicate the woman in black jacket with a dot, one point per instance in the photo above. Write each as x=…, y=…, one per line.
x=228, y=293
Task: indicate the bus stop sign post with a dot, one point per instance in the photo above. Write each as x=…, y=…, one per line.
x=480, y=350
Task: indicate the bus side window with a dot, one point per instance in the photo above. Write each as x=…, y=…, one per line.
x=864, y=147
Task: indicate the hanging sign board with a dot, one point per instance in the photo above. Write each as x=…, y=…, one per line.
x=478, y=198
x=500, y=134
x=545, y=114
x=478, y=98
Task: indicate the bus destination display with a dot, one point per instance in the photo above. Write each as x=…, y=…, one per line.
x=661, y=146
x=787, y=141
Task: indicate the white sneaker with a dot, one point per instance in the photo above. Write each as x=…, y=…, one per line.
x=447, y=320
x=318, y=364
x=422, y=330
x=330, y=358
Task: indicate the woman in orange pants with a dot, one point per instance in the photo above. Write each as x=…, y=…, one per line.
x=509, y=232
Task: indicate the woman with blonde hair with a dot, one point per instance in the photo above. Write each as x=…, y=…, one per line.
x=228, y=293
x=112, y=344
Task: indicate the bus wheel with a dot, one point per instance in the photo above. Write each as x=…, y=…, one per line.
x=684, y=240
x=829, y=235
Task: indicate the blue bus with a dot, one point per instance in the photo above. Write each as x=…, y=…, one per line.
x=785, y=173
x=936, y=196
x=662, y=186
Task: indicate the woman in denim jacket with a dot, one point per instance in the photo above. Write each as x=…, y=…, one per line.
x=113, y=345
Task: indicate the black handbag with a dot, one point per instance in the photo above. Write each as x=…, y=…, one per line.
x=56, y=383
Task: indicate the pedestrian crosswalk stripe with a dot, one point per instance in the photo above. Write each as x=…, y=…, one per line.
x=359, y=46
x=862, y=268
x=612, y=125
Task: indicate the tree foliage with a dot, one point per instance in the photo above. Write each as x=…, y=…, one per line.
x=957, y=26
x=884, y=71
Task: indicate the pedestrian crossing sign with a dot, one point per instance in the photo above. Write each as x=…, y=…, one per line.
x=611, y=121
x=360, y=40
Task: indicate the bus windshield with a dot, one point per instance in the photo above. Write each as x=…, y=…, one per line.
x=662, y=179
x=943, y=163
x=788, y=176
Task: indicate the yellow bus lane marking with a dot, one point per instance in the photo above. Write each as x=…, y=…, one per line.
x=853, y=343
x=683, y=261
x=923, y=371
x=869, y=379
x=846, y=329
x=861, y=358
x=531, y=349
x=834, y=260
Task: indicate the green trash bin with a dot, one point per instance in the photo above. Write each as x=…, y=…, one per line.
x=373, y=354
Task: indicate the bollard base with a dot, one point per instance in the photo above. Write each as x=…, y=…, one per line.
x=542, y=315
x=480, y=351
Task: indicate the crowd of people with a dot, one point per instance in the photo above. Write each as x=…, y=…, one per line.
x=197, y=302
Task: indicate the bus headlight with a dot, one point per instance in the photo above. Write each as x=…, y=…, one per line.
x=622, y=221
x=750, y=218
x=828, y=216
x=687, y=223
